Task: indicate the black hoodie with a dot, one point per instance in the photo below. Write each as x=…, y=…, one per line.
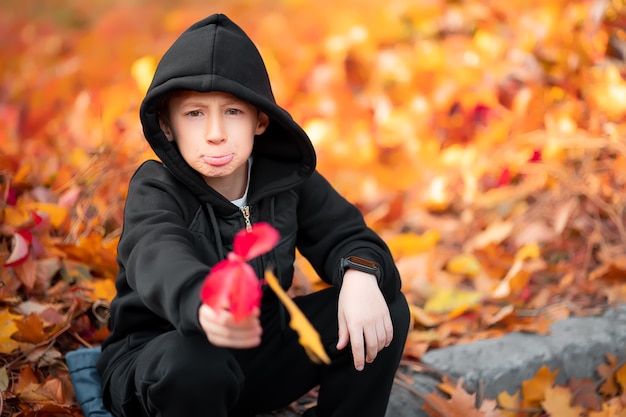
x=216, y=55
x=176, y=226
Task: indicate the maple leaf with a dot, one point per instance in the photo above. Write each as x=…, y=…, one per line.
x=30, y=329
x=460, y=403
x=609, y=410
x=534, y=390
x=7, y=328
x=509, y=403
x=558, y=402
x=232, y=283
x=609, y=373
x=584, y=394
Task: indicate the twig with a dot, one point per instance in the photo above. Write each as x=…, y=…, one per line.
x=48, y=341
x=603, y=379
x=521, y=410
x=80, y=339
x=72, y=313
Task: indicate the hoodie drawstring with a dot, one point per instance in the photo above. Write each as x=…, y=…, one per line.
x=281, y=306
x=210, y=215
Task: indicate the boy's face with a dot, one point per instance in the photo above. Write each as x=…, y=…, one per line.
x=215, y=132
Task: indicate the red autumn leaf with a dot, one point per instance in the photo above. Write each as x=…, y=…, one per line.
x=232, y=283
x=260, y=239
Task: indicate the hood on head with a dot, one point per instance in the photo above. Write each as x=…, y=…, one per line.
x=215, y=54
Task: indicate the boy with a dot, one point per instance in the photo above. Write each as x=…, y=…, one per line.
x=232, y=157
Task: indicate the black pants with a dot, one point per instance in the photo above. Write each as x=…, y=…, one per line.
x=175, y=376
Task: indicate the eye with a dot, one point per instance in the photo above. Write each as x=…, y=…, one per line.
x=194, y=113
x=233, y=111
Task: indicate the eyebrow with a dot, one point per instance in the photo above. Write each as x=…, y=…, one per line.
x=192, y=102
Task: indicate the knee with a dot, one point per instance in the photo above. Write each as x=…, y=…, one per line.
x=215, y=369
x=204, y=375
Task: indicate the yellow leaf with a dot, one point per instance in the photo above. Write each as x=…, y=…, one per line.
x=103, y=289
x=528, y=251
x=534, y=390
x=425, y=318
x=607, y=90
x=464, y=264
x=508, y=402
x=7, y=328
x=408, y=244
x=438, y=196
x=446, y=300
x=142, y=71
x=23, y=172
x=57, y=213
x=558, y=403
x=30, y=329
x=309, y=337
x=17, y=217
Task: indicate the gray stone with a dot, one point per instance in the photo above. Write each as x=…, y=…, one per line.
x=575, y=347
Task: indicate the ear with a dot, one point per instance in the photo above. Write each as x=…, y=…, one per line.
x=263, y=121
x=167, y=130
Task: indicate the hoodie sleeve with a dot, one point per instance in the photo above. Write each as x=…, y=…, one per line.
x=157, y=250
x=331, y=228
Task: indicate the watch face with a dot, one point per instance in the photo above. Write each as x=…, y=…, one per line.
x=363, y=262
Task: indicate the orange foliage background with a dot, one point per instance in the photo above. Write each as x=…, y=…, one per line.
x=484, y=140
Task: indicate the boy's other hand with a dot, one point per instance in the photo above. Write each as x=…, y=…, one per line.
x=222, y=330
x=364, y=319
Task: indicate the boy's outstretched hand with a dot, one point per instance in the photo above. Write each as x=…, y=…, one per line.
x=222, y=330
x=364, y=319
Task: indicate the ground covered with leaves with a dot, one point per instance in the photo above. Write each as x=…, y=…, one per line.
x=484, y=140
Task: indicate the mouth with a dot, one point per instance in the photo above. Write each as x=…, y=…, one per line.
x=218, y=161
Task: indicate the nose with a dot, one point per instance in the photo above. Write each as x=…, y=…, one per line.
x=215, y=132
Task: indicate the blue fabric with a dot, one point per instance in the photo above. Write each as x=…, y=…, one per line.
x=86, y=381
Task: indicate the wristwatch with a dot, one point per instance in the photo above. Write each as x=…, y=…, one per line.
x=360, y=264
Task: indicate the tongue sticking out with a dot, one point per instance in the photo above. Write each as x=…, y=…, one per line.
x=218, y=160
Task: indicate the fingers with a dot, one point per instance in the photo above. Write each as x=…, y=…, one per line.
x=378, y=339
x=388, y=325
x=372, y=345
x=369, y=341
x=222, y=330
x=358, y=351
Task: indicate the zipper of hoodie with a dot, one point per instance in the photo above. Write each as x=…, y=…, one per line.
x=245, y=211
